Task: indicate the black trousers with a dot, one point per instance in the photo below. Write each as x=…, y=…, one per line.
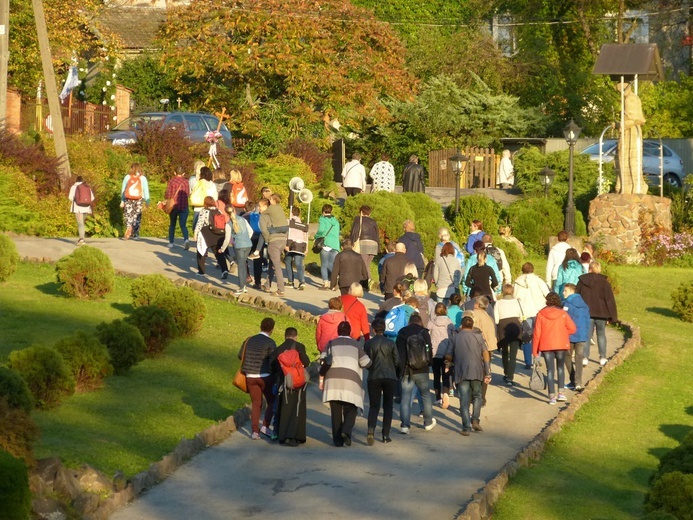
x=343, y=420
x=352, y=191
x=378, y=388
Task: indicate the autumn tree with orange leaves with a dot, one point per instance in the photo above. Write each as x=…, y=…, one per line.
x=297, y=62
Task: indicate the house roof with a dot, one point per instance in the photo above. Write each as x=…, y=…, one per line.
x=135, y=26
x=629, y=60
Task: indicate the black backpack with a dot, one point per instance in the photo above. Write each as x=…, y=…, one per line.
x=418, y=353
x=496, y=254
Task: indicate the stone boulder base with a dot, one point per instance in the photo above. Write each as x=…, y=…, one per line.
x=615, y=221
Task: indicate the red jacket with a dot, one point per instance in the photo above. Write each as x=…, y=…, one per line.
x=326, y=330
x=357, y=316
x=552, y=330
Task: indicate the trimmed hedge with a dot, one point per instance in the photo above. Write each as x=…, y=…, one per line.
x=15, y=496
x=14, y=389
x=390, y=210
x=86, y=273
x=682, y=299
x=45, y=372
x=187, y=307
x=18, y=433
x=9, y=258
x=157, y=325
x=124, y=342
x=145, y=289
x=473, y=207
x=87, y=358
x=672, y=493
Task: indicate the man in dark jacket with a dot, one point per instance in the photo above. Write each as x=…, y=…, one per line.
x=599, y=297
x=393, y=269
x=365, y=237
x=348, y=268
x=408, y=338
x=415, y=250
x=413, y=176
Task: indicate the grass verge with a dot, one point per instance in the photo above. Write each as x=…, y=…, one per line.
x=599, y=466
x=135, y=419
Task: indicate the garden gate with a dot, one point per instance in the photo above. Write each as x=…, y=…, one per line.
x=479, y=172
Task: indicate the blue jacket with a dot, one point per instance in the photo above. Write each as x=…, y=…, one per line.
x=579, y=312
x=570, y=275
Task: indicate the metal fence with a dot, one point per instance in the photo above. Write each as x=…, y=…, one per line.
x=478, y=172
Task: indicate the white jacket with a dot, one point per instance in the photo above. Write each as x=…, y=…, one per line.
x=531, y=291
x=556, y=257
x=354, y=175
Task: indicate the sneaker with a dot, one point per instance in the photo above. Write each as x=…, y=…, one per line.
x=280, y=293
x=561, y=397
x=509, y=383
x=452, y=393
x=264, y=430
x=186, y=245
x=579, y=388
x=446, y=401
x=170, y=245
x=603, y=361
x=370, y=439
x=237, y=292
x=325, y=288
x=255, y=436
x=476, y=426
x=245, y=290
x=570, y=386
x=386, y=439
x=421, y=413
x=404, y=430
x=254, y=256
x=80, y=242
x=257, y=286
x=136, y=237
x=265, y=289
x=224, y=275
x=552, y=401
x=346, y=439
x=201, y=275
x=429, y=427
x=301, y=287
x=585, y=362
x=465, y=433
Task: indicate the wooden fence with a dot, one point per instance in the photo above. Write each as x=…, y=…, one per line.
x=478, y=172
x=79, y=118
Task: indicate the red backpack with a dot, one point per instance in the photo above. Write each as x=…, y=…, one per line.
x=238, y=195
x=217, y=222
x=294, y=373
x=133, y=189
x=83, y=195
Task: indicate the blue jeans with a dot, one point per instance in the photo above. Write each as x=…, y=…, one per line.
x=600, y=325
x=469, y=392
x=527, y=347
x=421, y=382
x=327, y=263
x=555, y=362
x=294, y=260
x=241, y=256
x=182, y=217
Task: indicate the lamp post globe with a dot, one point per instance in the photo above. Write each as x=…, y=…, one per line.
x=571, y=133
x=546, y=176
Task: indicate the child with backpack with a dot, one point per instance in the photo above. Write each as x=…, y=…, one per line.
x=81, y=197
x=211, y=232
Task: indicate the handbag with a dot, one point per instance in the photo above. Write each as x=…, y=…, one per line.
x=356, y=246
x=325, y=363
x=170, y=203
x=537, y=381
x=319, y=242
x=527, y=327
x=239, y=380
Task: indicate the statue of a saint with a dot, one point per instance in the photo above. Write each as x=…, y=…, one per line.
x=631, y=179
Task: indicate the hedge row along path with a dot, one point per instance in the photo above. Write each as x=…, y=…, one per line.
x=420, y=475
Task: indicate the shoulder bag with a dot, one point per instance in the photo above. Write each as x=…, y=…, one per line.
x=527, y=329
x=319, y=242
x=171, y=203
x=239, y=380
x=326, y=362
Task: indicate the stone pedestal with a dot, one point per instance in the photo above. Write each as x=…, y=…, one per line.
x=615, y=221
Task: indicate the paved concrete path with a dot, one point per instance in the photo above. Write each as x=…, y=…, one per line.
x=421, y=475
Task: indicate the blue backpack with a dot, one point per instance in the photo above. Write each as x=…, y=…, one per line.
x=395, y=320
x=254, y=221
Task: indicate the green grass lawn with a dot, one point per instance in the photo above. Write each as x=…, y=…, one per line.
x=135, y=419
x=599, y=466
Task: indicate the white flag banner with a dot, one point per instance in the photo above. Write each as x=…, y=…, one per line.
x=71, y=82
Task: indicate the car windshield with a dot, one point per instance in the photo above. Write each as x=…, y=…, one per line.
x=594, y=149
x=135, y=122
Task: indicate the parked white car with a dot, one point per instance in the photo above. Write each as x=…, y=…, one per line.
x=673, y=165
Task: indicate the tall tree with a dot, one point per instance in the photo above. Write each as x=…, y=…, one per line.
x=308, y=63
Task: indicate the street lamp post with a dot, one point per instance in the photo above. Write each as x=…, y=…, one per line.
x=546, y=176
x=457, y=161
x=571, y=133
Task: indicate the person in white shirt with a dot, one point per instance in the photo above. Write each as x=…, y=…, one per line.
x=506, y=173
x=556, y=256
x=354, y=176
x=383, y=175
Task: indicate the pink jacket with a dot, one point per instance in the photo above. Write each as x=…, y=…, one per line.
x=326, y=330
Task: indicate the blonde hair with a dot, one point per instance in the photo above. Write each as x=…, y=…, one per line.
x=235, y=176
x=197, y=167
x=231, y=212
x=420, y=286
x=356, y=289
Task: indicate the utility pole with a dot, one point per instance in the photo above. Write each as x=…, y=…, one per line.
x=4, y=57
x=52, y=93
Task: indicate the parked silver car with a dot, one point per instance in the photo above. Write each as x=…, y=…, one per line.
x=195, y=124
x=673, y=165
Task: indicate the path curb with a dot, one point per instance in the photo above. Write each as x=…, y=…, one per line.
x=481, y=505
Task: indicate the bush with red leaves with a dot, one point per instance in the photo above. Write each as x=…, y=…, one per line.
x=317, y=160
x=33, y=161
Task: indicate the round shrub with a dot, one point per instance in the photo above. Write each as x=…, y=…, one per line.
x=146, y=288
x=18, y=433
x=512, y=253
x=14, y=390
x=673, y=494
x=9, y=258
x=187, y=307
x=683, y=301
x=535, y=220
x=86, y=273
x=45, y=372
x=124, y=342
x=473, y=207
x=678, y=459
x=157, y=325
x=87, y=359
x=390, y=210
x=15, y=496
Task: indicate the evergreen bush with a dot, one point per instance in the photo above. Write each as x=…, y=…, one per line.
x=683, y=301
x=678, y=459
x=9, y=258
x=18, y=433
x=86, y=273
x=124, y=342
x=145, y=289
x=428, y=217
x=473, y=207
x=157, y=325
x=389, y=210
x=87, y=359
x=672, y=493
x=187, y=307
x=45, y=372
x=14, y=389
x=512, y=254
x=15, y=495
x=535, y=220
